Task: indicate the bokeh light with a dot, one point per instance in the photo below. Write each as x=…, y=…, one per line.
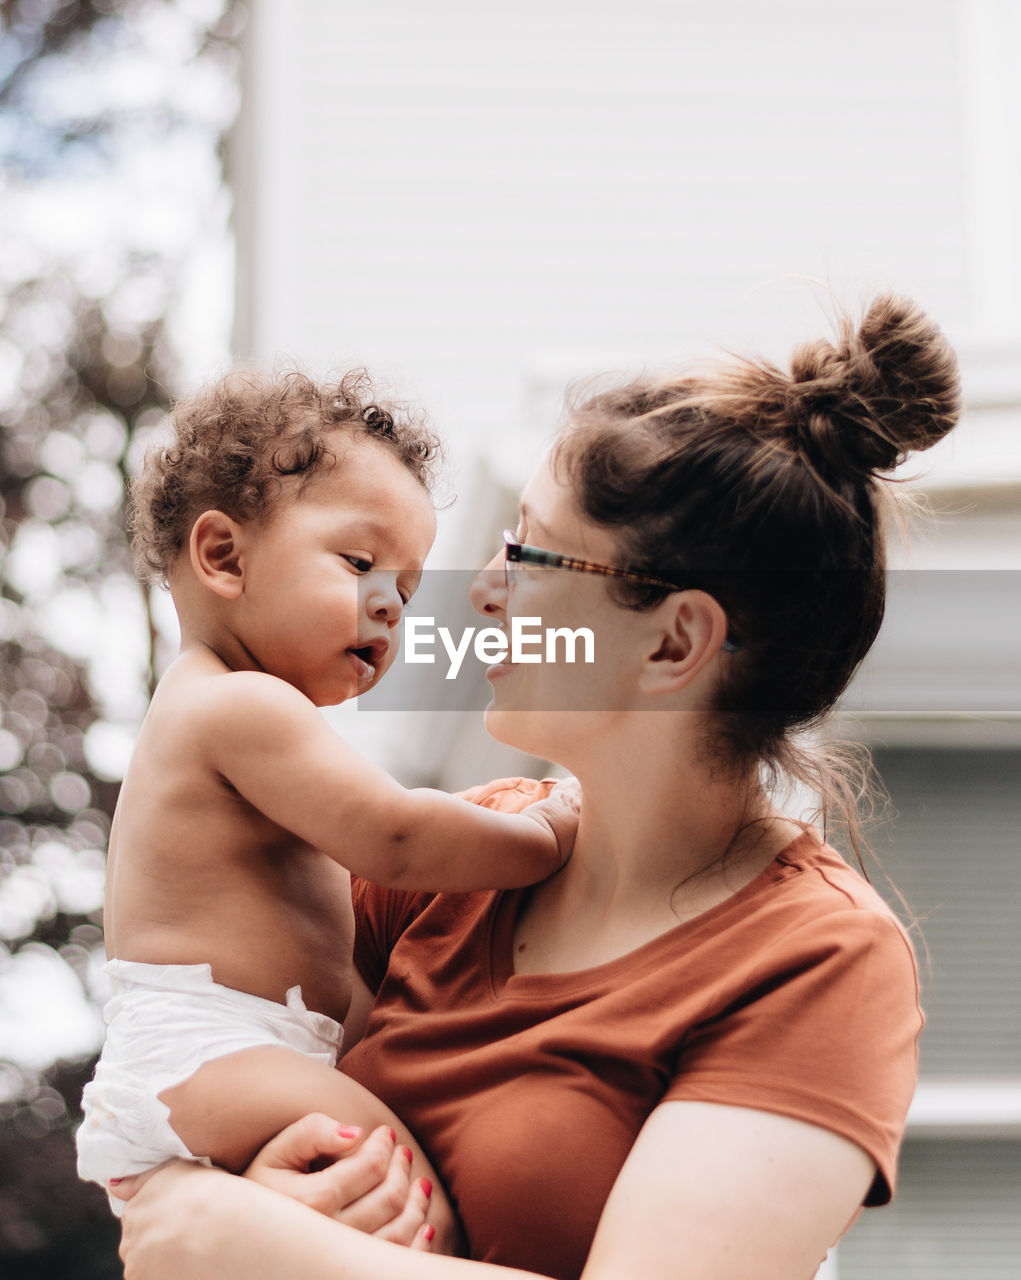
x=112, y=115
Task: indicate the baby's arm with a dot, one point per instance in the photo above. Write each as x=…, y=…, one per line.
x=272, y=745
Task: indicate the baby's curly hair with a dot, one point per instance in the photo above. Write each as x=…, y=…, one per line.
x=236, y=442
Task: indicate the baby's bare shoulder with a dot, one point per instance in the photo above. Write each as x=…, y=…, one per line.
x=199, y=715
x=201, y=693
x=212, y=724
x=245, y=715
x=252, y=698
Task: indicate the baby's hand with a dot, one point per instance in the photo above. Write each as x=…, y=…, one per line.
x=559, y=812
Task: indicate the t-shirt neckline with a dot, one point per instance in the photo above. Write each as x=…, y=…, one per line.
x=506, y=984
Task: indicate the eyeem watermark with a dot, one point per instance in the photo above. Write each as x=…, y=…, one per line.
x=948, y=648
x=528, y=641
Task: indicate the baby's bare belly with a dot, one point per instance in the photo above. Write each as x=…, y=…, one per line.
x=259, y=934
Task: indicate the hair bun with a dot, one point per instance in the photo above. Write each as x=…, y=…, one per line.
x=867, y=401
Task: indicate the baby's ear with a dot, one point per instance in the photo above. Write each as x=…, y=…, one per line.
x=214, y=549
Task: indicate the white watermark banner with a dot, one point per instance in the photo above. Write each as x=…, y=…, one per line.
x=950, y=645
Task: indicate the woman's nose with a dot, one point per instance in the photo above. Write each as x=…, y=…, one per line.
x=488, y=592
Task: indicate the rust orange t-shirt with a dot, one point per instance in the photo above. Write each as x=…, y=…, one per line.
x=797, y=995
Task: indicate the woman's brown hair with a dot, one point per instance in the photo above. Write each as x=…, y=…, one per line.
x=765, y=488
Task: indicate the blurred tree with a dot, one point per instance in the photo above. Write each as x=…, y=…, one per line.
x=112, y=120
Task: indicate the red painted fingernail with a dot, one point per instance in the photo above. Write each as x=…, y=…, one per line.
x=349, y=1131
x=427, y=1187
x=430, y=1232
x=115, y=1182
x=393, y=1136
x=407, y=1154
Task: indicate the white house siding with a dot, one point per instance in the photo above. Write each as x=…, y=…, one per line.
x=482, y=202
x=479, y=198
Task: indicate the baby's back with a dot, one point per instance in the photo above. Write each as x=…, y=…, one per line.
x=198, y=875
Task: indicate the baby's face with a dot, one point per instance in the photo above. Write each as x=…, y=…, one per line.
x=327, y=574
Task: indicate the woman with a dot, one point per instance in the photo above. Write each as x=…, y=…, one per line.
x=690, y=1053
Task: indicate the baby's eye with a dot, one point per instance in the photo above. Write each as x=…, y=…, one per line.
x=358, y=563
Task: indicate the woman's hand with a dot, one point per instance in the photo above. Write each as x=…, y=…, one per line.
x=166, y=1221
x=367, y=1186
x=185, y=1221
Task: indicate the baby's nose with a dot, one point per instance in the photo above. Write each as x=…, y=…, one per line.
x=384, y=601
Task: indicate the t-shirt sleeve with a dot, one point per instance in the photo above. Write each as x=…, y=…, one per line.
x=826, y=1032
x=382, y=915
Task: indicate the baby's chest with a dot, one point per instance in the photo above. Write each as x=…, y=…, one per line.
x=299, y=920
x=310, y=896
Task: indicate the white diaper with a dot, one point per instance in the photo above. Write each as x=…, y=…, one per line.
x=163, y=1023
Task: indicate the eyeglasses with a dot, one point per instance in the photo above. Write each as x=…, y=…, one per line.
x=516, y=553
x=521, y=553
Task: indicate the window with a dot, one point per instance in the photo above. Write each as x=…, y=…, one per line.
x=954, y=851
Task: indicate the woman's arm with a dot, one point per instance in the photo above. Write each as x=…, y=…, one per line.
x=192, y=1223
x=728, y=1193
x=708, y=1193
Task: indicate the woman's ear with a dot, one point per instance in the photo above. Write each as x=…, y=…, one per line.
x=693, y=627
x=214, y=549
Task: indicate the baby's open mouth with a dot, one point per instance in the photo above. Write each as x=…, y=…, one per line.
x=366, y=657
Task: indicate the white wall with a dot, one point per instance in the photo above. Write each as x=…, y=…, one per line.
x=482, y=200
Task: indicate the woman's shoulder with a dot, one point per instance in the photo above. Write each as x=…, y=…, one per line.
x=811, y=895
x=509, y=795
x=820, y=871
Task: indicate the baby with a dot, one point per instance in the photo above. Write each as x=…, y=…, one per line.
x=291, y=522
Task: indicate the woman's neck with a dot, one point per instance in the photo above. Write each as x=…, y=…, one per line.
x=646, y=859
x=661, y=826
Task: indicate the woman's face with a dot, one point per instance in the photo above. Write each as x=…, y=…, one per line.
x=530, y=698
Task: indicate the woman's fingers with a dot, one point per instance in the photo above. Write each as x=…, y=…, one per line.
x=369, y=1188
x=385, y=1201
x=342, y=1189
x=313, y=1137
x=410, y=1226
x=365, y=1188
x=423, y=1240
